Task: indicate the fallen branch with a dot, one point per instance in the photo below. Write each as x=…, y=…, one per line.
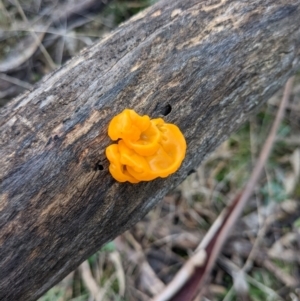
x=204, y=67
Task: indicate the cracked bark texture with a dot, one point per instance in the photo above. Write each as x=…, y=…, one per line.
x=213, y=62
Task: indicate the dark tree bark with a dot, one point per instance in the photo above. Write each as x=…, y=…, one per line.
x=212, y=62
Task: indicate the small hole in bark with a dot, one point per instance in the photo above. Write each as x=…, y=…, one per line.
x=166, y=110
x=176, y=220
x=191, y=171
x=99, y=166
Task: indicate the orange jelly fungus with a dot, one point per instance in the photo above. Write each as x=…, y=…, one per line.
x=146, y=148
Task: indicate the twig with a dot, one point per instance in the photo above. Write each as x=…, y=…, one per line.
x=215, y=238
x=260, y=164
x=117, y=262
x=15, y=81
x=2, y=8
x=147, y=276
x=231, y=268
x=264, y=155
x=265, y=151
x=37, y=40
x=280, y=274
x=89, y=281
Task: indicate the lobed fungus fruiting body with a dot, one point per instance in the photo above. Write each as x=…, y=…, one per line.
x=146, y=148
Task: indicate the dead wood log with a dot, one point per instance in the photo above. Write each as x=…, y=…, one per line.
x=204, y=65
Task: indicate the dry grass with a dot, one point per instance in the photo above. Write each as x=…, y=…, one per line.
x=260, y=260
